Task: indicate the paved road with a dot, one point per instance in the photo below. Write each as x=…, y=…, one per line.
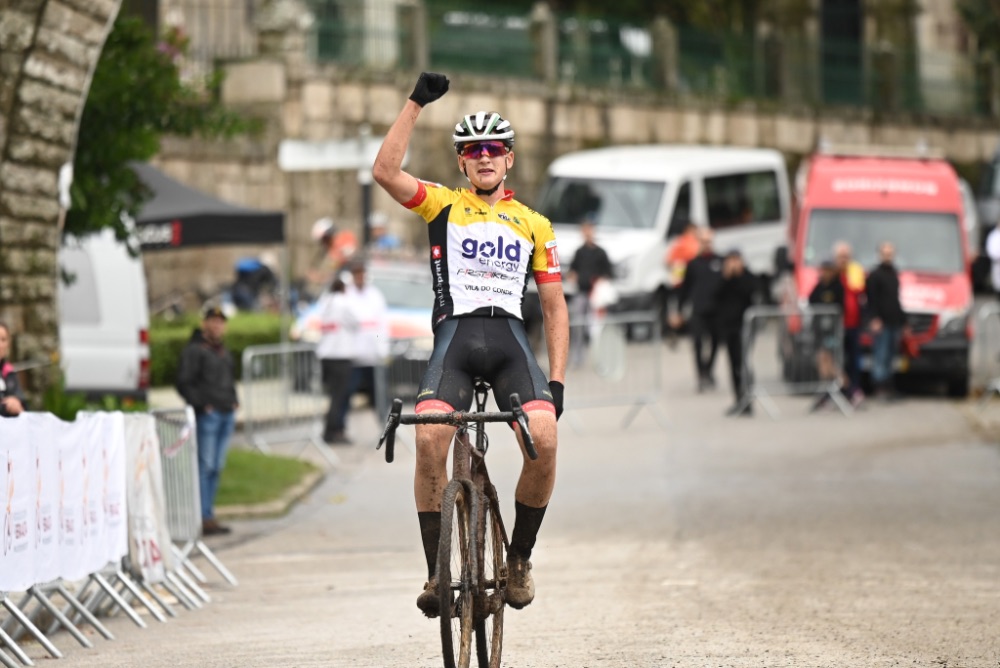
x=802, y=541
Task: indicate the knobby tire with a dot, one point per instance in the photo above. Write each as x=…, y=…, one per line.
x=456, y=570
x=493, y=586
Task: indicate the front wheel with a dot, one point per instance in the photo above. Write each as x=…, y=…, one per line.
x=493, y=587
x=455, y=570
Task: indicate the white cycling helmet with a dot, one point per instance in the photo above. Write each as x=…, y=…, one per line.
x=483, y=126
x=321, y=228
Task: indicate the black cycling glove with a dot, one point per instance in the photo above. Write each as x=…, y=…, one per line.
x=430, y=86
x=557, y=390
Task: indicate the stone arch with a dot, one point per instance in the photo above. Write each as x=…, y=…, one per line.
x=48, y=52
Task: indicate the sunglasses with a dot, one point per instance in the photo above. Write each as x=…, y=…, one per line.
x=493, y=149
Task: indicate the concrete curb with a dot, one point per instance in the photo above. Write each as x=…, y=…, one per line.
x=275, y=508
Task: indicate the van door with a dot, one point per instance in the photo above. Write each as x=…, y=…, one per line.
x=103, y=318
x=746, y=211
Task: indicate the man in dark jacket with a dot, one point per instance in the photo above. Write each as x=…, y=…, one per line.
x=702, y=279
x=827, y=327
x=736, y=294
x=205, y=378
x=887, y=318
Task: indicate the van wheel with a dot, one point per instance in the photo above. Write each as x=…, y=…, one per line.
x=958, y=387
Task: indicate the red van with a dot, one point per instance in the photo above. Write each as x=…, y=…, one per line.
x=915, y=203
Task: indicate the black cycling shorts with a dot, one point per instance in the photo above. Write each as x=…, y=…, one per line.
x=492, y=348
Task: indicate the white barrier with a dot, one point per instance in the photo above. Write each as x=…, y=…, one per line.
x=64, y=515
x=781, y=347
x=87, y=501
x=617, y=361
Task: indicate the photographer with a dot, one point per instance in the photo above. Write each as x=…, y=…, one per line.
x=11, y=399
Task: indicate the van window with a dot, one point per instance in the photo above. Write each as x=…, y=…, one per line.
x=929, y=242
x=78, y=303
x=681, y=216
x=610, y=203
x=739, y=199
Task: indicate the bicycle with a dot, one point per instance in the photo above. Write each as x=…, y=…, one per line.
x=471, y=562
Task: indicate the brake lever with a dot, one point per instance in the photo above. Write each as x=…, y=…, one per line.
x=522, y=422
x=389, y=434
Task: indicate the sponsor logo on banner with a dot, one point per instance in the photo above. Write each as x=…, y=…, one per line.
x=160, y=234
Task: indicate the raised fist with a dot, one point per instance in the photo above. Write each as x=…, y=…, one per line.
x=430, y=86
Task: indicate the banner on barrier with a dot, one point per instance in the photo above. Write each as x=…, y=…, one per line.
x=65, y=497
x=149, y=550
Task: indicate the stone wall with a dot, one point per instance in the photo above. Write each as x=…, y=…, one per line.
x=48, y=50
x=318, y=103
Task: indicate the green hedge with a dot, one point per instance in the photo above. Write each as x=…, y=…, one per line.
x=167, y=340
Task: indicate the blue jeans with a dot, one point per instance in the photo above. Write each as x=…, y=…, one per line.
x=214, y=431
x=884, y=346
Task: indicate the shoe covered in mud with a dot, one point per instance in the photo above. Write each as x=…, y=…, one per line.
x=428, y=601
x=520, y=585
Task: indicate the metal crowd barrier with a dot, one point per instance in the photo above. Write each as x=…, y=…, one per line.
x=282, y=398
x=782, y=346
x=986, y=352
x=179, y=458
x=616, y=360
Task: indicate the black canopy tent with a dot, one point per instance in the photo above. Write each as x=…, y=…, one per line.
x=178, y=216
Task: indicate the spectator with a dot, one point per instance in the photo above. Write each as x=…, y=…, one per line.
x=590, y=263
x=887, y=319
x=829, y=291
x=371, y=339
x=700, y=286
x=206, y=381
x=736, y=294
x=684, y=249
x=852, y=276
x=336, y=248
x=338, y=326
x=382, y=240
x=11, y=399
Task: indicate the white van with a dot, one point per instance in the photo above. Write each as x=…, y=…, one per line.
x=641, y=197
x=103, y=318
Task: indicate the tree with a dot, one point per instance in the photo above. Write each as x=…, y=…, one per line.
x=982, y=18
x=137, y=96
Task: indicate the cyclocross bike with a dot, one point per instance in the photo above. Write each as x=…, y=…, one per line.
x=471, y=561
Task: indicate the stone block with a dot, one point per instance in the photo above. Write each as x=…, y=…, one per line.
x=32, y=123
x=30, y=261
x=743, y=128
x=317, y=100
x=27, y=179
x=27, y=233
x=64, y=19
x=714, y=128
x=254, y=83
x=29, y=206
x=38, y=152
x=65, y=47
x=101, y=9
x=16, y=30
x=66, y=75
x=45, y=97
x=690, y=126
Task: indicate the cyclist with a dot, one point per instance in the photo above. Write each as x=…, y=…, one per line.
x=483, y=244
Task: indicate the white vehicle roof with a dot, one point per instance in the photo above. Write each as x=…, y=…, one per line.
x=669, y=162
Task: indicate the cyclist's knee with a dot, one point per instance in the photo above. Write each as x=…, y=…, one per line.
x=543, y=434
x=433, y=441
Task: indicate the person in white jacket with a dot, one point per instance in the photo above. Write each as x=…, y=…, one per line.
x=371, y=337
x=335, y=349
